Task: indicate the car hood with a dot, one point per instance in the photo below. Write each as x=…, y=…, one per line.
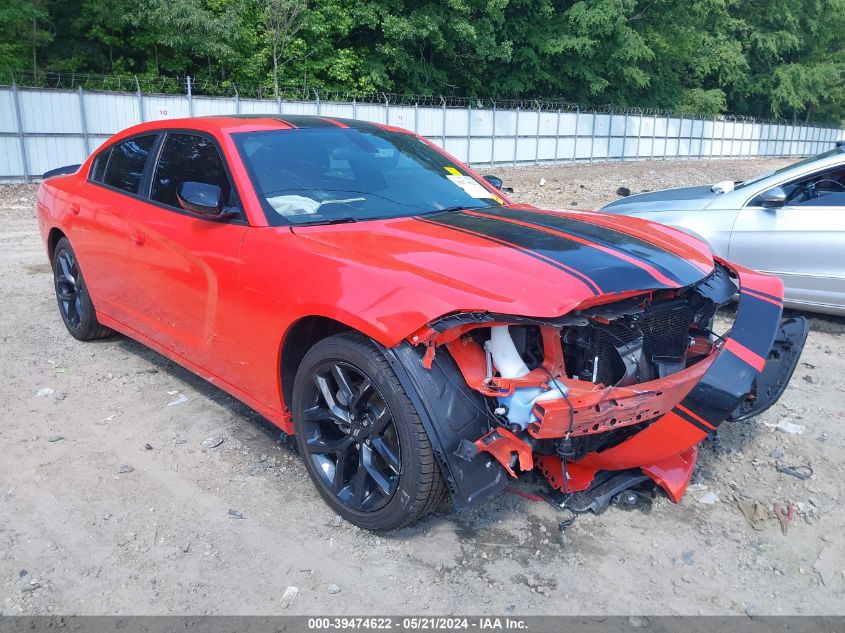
x=678, y=199
x=512, y=260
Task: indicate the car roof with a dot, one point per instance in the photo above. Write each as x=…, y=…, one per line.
x=293, y=121
x=230, y=123
x=800, y=169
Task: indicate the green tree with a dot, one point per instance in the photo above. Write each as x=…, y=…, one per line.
x=796, y=57
x=283, y=19
x=25, y=31
x=767, y=58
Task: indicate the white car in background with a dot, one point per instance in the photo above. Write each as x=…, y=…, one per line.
x=790, y=223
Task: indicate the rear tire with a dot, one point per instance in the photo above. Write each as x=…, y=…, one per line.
x=75, y=305
x=360, y=437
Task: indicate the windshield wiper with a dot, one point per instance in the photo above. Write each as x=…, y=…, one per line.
x=343, y=220
x=460, y=208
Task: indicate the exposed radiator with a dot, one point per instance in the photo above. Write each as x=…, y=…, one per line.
x=665, y=333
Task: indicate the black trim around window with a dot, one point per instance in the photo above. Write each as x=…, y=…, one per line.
x=143, y=193
x=107, y=149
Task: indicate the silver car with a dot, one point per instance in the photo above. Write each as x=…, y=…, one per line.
x=790, y=223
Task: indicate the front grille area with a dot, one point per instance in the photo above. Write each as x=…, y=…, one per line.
x=664, y=329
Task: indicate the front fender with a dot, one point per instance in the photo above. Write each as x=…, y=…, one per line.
x=452, y=414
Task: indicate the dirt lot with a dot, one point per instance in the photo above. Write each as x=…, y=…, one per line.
x=112, y=501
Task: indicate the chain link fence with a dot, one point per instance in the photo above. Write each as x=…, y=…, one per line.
x=48, y=120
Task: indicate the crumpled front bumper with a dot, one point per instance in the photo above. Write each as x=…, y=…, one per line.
x=749, y=373
x=745, y=374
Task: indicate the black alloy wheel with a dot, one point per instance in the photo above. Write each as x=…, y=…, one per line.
x=75, y=305
x=360, y=436
x=69, y=289
x=350, y=436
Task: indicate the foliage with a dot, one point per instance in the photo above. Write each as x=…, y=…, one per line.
x=283, y=20
x=765, y=58
x=23, y=33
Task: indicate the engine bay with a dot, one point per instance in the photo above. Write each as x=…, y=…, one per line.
x=558, y=389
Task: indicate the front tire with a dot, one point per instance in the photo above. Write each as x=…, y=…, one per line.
x=72, y=295
x=360, y=437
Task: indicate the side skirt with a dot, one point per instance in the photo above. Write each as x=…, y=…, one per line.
x=277, y=418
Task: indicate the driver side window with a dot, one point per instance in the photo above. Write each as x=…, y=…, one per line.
x=189, y=158
x=825, y=188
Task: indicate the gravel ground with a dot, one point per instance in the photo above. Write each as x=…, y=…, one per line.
x=116, y=498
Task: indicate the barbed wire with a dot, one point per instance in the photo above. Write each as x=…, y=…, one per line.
x=183, y=85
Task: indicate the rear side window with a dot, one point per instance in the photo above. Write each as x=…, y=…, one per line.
x=100, y=165
x=188, y=158
x=126, y=163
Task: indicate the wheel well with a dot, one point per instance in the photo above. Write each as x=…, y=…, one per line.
x=52, y=239
x=301, y=337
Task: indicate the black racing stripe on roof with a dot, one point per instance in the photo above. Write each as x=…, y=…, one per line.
x=310, y=121
x=355, y=124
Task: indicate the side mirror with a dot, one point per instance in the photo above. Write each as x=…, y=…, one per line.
x=495, y=181
x=201, y=198
x=774, y=198
x=498, y=183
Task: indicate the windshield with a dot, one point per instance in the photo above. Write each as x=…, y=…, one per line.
x=322, y=175
x=800, y=163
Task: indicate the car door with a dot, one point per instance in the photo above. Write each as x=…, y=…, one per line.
x=800, y=242
x=185, y=266
x=97, y=223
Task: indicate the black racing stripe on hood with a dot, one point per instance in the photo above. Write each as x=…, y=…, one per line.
x=607, y=272
x=574, y=273
x=668, y=263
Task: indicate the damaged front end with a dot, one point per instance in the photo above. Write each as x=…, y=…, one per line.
x=601, y=398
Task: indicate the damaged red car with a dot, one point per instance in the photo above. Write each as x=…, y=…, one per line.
x=421, y=335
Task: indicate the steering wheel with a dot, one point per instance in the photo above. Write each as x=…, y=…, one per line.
x=798, y=191
x=813, y=188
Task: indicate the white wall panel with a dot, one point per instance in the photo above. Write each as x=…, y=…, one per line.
x=481, y=123
x=59, y=113
x=401, y=116
x=57, y=124
x=11, y=165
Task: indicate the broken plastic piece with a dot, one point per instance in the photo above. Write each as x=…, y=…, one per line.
x=502, y=444
x=673, y=474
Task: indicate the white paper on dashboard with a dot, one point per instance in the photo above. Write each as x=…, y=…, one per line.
x=470, y=186
x=293, y=205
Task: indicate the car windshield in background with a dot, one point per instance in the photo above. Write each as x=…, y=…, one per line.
x=800, y=163
x=325, y=175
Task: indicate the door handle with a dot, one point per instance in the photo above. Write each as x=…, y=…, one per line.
x=74, y=208
x=138, y=239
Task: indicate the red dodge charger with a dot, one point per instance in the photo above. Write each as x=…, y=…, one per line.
x=420, y=334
